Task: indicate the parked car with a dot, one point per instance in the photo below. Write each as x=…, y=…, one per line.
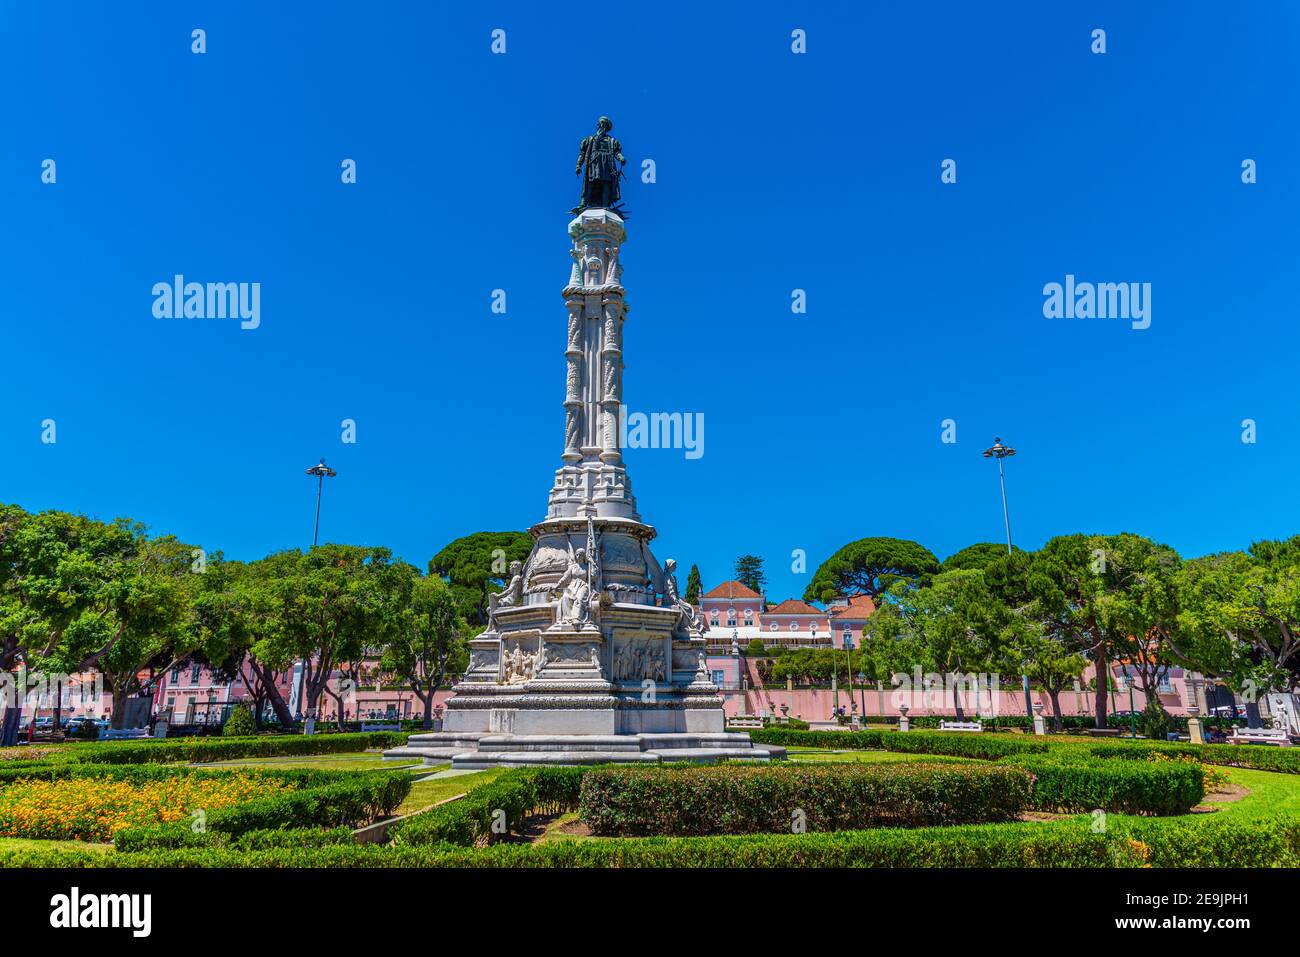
x=75, y=725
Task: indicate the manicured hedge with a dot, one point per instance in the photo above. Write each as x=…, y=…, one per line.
x=956, y=743
x=493, y=810
x=1258, y=756
x=1063, y=783
x=351, y=800
x=203, y=750
x=749, y=799
x=1134, y=842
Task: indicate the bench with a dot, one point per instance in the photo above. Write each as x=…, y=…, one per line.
x=1277, y=736
x=125, y=734
x=960, y=726
x=747, y=722
x=367, y=727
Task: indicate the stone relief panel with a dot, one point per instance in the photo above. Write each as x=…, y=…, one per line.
x=639, y=658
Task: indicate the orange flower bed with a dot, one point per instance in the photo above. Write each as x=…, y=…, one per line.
x=94, y=809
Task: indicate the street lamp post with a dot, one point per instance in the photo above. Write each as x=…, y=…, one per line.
x=321, y=471
x=848, y=666
x=999, y=451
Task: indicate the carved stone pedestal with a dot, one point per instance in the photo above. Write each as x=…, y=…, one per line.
x=591, y=654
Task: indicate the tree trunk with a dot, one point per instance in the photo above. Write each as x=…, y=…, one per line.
x=338, y=710
x=9, y=725
x=1103, y=688
x=428, y=710
x=1054, y=695
x=119, y=699
x=957, y=703
x=278, y=704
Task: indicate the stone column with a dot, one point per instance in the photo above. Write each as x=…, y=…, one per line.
x=573, y=384
x=611, y=354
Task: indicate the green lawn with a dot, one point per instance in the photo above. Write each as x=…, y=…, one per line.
x=1270, y=793
x=818, y=756
x=27, y=844
x=358, y=761
x=424, y=793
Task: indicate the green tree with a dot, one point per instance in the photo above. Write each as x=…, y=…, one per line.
x=693, y=586
x=953, y=626
x=749, y=572
x=1239, y=619
x=1066, y=585
x=149, y=618
x=871, y=566
x=80, y=594
x=429, y=643
x=330, y=605
x=1138, y=610
x=240, y=722
x=235, y=617
x=980, y=555
x=476, y=564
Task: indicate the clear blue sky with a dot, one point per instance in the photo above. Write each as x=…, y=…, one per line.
x=775, y=172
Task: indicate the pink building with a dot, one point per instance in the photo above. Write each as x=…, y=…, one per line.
x=796, y=624
x=848, y=619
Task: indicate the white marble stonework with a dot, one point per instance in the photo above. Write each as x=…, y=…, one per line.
x=590, y=654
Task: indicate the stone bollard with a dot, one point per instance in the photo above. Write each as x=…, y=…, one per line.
x=903, y=723
x=1194, y=732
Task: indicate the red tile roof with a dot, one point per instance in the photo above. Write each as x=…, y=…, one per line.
x=732, y=589
x=793, y=606
x=859, y=608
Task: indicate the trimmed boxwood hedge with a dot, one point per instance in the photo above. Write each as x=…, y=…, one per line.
x=1131, y=842
x=1258, y=756
x=348, y=800
x=749, y=799
x=1063, y=783
x=202, y=750
x=494, y=810
x=954, y=743
x=989, y=747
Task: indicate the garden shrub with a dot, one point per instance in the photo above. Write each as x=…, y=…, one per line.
x=1155, y=721
x=203, y=750
x=1258, y=756
x=747, y=799
x=1082, y=783
x=95, y=808
x=1263, y=841
x=349, y=800
x=240, y=723
x=507, y=801
x=957, y=744
x=265, y=838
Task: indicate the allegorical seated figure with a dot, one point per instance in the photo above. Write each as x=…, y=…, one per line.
x=602, y=156
x=575, y=590
x=509, y=597
x=689, y=620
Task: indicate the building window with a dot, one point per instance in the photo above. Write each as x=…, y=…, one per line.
x=713, y=619
x=749, y=617
x=194, y=674
x=731, y=618
x=717, y=678
x=1166, y=684
x=772, y=627
x=814, y=628
x=176, y=674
